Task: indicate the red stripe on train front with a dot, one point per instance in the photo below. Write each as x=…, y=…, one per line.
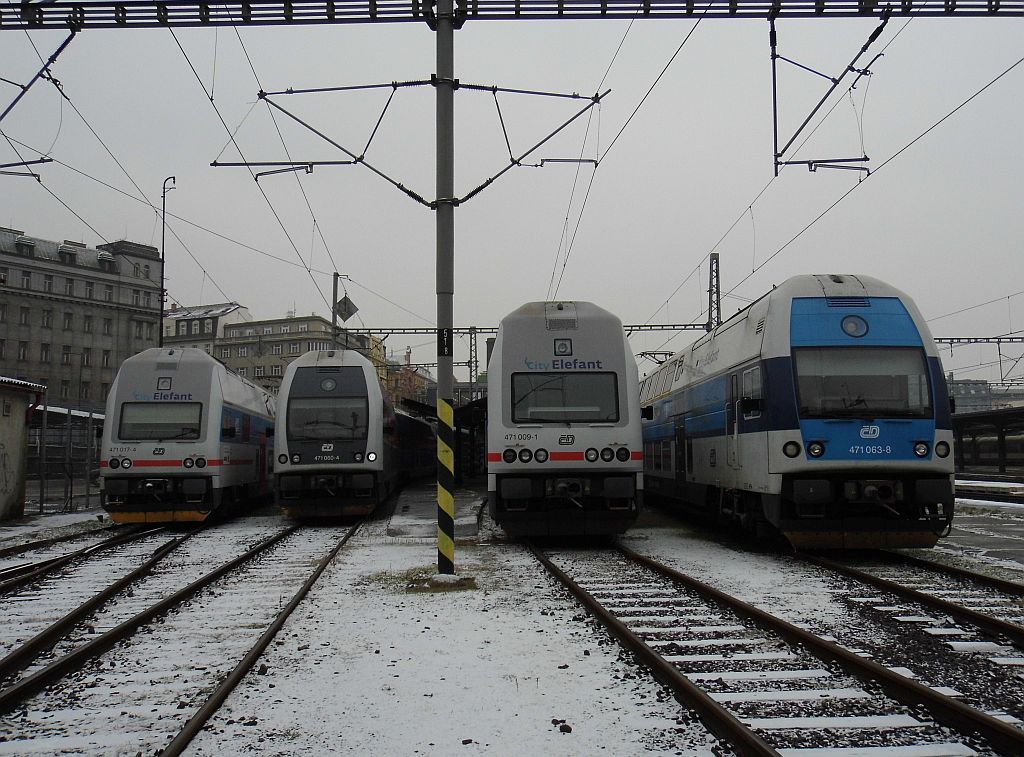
x=637, y=456
x=156, y=463
x=494, y=457
x=566, y=455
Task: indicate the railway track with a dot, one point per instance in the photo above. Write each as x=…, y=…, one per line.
x=147, y=663
x=765, y=685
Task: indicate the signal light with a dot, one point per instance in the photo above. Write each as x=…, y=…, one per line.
x=525, y=455
x=591, y=455
x=282, y=458
x=371, y=456
x=790, y=449
x=921, y=449
x=126, y=463
x=296, y=459
x=942, y=449
x=509, y=456
x=188, y=462
x=622, y=454
x=607, y=454
x=816, y=449
x=200, y=462
x=541, y=456
x=114, y=463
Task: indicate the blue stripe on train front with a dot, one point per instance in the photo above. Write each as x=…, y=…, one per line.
x=815, y=323
x=856, y=439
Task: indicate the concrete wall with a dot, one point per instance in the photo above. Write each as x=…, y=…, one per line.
x=13, y=453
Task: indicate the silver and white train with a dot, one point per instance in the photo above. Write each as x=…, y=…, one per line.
x=183, y=436
x=819, y=411
x=563, y=423
x=341, y=448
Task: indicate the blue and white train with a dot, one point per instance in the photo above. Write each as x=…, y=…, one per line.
x=563, y=423
x=819, y=411
x=184, y=436
x=341, y=447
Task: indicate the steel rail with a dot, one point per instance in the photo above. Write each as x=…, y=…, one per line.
x=1010, y=587
x=23, y=655
x=195, y=724
x=717, y=718
x=1013, y=631
x=26, y=687
x=42, y=543
x=22, y=575
x=948, y=711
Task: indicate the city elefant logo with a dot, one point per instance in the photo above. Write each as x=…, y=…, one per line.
x=870, y=432
x=328, y=447
x=567, y=439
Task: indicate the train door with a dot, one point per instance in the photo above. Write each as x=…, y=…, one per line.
x=732, y=428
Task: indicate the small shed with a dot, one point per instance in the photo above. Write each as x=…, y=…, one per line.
x=17, y=398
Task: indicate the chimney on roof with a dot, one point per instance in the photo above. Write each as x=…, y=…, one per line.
x=174, y=306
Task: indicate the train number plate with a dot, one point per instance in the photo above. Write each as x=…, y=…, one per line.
x=871, y=449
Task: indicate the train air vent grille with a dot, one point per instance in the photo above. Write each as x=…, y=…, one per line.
x=760, y=326
x=328, y=369
x=848, y=302
x=560, y=316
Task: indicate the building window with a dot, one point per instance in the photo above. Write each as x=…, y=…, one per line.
x=44, y=353
x=65, y=355
x=47, y=283
x=69, y=287
x=138, y=329
x=286, y=329
x=182, y=328
x=243, y=352
x=3, y=277
x=86, y=356
x=83, y=390
x=268, y=329
x=293, y=348
x=90, y=290
x=108, y=292
x=106, y=361
x=149, y=331
x=3, y=348
x=278, y=349
x=136, y=294
x=108, y=327
x=208, y=326
x=147, y=299
x=23, y=316
x=47, y=319
x=22, y=350
x=259, y=371
x=104, y=391
x=136, y=271
x=3, y=313
x=65, y=389
x=87, y=324
x=241, y=372
x=195, y=327
x=26, y=280
x=225, y=352
x=145, y=271
x=250, y=332
x=275, y=370
x=68, y=321
x=303, y=327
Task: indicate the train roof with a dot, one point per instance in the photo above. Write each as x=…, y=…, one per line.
x=559, y=315
x=331, y=358
x=186, y=359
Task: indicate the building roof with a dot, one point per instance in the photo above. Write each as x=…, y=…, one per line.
x=88, y=257
x=202, y=311
x=21, y=386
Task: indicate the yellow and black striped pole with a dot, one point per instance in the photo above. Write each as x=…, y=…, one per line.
x=445, y=487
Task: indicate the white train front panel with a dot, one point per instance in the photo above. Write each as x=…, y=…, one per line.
x=563, y=432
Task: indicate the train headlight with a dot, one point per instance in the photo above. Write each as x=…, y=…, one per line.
x=855, y=326
x=816, y=449
x=296, y=458
x=525, y=455
x=541, y=456
x=282, y=458
x=114, y=463
x=607, y=454
x=200, y=462
x=188, y=462
x=622, y=453
x=591, y=455
x=358, y=456
x=371, y=456
x=791, y=449
x=126, y=463
x=942, y=449
x=921, y=449
x=509, y=456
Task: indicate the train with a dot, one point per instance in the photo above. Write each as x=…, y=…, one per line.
x=341, y=448
x=819, y=412
x=184, y=438
x=564, y=446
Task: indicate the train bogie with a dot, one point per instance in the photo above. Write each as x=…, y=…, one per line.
x=563, y=428
x=183, y=437
x=820, y=412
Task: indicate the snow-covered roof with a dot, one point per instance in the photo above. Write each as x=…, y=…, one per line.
x=19, y=385
x=202, y=311
x=88, y=257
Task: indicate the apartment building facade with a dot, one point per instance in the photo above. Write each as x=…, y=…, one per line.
x=71, y=314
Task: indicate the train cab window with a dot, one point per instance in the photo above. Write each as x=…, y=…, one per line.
x=328, y=418
x=752, y=390
x=565, y=398
x=160, y=421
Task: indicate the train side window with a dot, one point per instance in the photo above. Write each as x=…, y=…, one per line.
x=752, y=391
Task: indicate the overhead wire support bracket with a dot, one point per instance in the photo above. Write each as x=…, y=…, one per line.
x=43, y=73
x=850, y=68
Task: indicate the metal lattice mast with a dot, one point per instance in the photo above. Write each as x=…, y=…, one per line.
x=714, y=293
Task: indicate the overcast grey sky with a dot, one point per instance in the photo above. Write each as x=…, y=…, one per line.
x=942, y=220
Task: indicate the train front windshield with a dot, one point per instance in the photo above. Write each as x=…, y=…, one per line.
x=160, y=421
x=334, y=418
x=862, y=382
x=565, y=398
